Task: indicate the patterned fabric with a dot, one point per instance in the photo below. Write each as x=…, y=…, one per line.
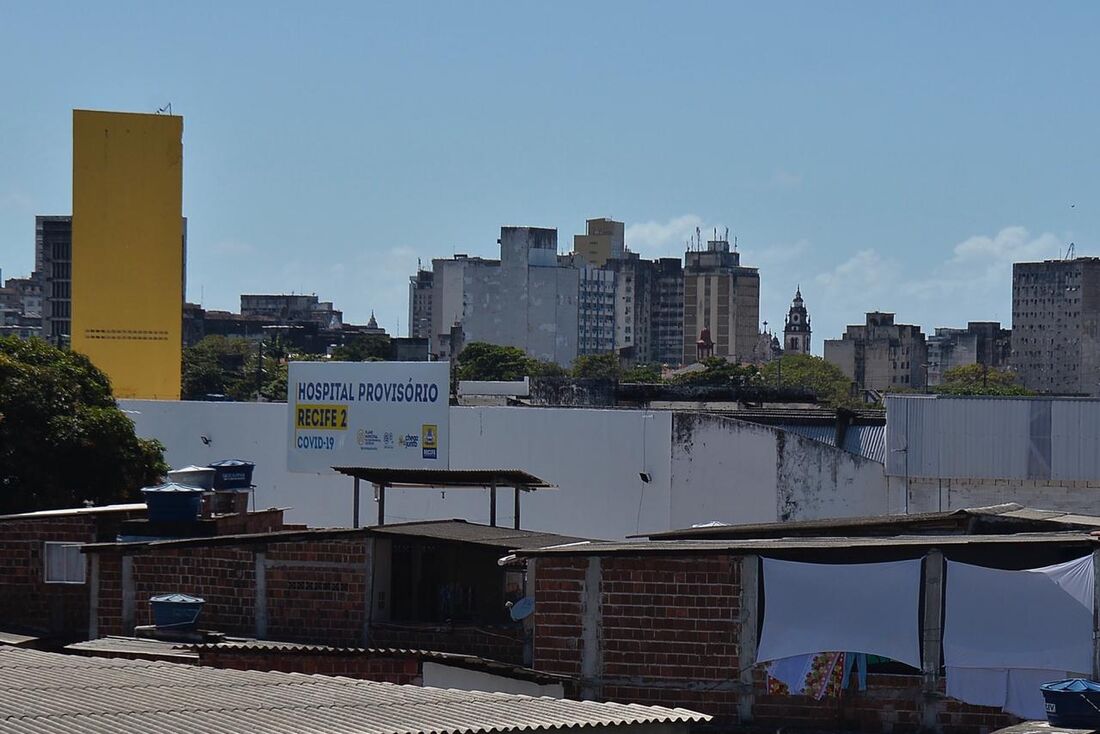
x=824, y=673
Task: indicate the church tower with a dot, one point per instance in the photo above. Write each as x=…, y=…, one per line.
x=796, y=332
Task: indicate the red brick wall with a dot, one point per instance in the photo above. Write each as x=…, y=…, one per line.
x=669, y=635
x=496, y=643
x=26, y=600
x=401, y=670
x=316, y=591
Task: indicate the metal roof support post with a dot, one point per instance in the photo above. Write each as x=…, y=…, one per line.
x=515, y=509
x=932, y=638
x=381, y=491
x=1096, y=616
x=493, y=503
x=355, y=503
x=747, y=626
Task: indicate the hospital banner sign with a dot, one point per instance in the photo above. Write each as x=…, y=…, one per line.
x=379, y=414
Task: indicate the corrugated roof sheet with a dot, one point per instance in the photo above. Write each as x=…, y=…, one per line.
x=137, y=647
x=763, y=545
x=868, y=441
x=467, y=532
x=76, y=511
x=445, y=477
x=48, y=693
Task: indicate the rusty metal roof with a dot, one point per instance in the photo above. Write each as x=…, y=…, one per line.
x=50, y=693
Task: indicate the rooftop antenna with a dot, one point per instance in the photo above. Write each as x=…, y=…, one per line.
x=166, y=108
x=1070, y=251
x=727, y=234
x=734, y=242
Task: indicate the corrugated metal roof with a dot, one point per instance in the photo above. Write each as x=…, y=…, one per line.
x=764, y=545
x=48, y=693
x=1028, y=518
x=467, y=532
x=869, y=441
x=992, y=438
x=136, y=647
x=76, y=511
x=446, y=477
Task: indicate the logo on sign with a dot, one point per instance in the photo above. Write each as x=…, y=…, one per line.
x=429, y=441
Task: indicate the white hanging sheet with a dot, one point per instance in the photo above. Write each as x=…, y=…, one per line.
x=1015, y=691
x=1033, y=619
x=861, y=607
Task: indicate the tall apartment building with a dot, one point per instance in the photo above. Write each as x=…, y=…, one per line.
x=981, y=342
x=291, y=308
x=604, y=240
x=722, y=296
x=596, y=302
x=880, y=354
x=667, y=331
x=527, y=299
x=53, y=260
x=1056, y=325
x=420, y=304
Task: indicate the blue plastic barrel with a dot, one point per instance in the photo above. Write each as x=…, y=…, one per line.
x=1073, y=703
x=232, y=474
x=173, y=502
x=176, y=611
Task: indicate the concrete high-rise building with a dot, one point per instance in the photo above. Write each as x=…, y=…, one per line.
x=981, y=342
x=596, y=302
x=796, y=330
x=667, y=332
x=603, y=241
x=527, y=299
x=1056, y=325
x=880, y=354
x=724, y=297
x=53, y=261
x=283, y=308
x=420, y=304
x=128, y=249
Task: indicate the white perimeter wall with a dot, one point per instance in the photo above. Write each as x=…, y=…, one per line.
x=594, y=456
x=448, y=676
x=702, y=467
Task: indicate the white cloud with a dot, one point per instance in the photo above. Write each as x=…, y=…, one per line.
x=651, y=237
x=865, y=272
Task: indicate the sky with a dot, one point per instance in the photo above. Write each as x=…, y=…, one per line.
x=883, y=156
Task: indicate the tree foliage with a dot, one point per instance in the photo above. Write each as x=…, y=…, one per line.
x=63, y=439
x=718, y=371
x=644, y=373
x=484, y=361
x=597, y=367
x=231, y=367
x=824, y=379
x=363, y=348
x=977, y=379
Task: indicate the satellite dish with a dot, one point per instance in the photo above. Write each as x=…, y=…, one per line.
x=522, y=608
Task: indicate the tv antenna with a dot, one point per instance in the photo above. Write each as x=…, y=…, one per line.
x=165, y=109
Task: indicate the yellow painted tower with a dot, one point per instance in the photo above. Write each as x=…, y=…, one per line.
x=128, y=249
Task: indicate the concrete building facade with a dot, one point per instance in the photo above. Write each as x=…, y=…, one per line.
x=283, y=308
x=603, y=240
x=981, y=342
x=596, y=308
x=724, y=297
x=527, y=299
x=53, y=260
x=420, y=304
x=667, y=335
x=880, y=355
x=1056, y=325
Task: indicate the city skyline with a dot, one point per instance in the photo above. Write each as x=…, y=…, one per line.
x=959, y=162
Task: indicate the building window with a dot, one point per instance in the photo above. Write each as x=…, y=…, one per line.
x=64, y=563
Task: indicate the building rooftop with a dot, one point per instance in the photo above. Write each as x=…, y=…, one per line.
x=50, y=693
x=445, y=477
x=1008, y=518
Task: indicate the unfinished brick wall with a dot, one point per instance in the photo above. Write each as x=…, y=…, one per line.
x=667, y=632
x=26, y=600
x=317, y=591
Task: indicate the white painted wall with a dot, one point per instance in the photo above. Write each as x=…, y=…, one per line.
x=448, y=676
x=594, y=456
x=735, y=472
x=702, y=468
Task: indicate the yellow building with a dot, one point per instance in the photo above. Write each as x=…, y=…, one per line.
x=602, y=241
x=127, y=254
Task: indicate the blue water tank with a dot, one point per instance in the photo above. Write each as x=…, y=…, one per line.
x=232, y=474
x=173, y=502
x=176, y=611
x=1073, y=703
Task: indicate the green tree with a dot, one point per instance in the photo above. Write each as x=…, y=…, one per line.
x=977, y=379
x=597, y=366
x=646, y=373
x=720, y=371
x=807, y=372
x=63, y=439
x=484, y=361
x=215, y=366
x=363, y=348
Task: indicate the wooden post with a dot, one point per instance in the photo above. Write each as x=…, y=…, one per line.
x=747, y=623
x=381, y=503
x=515, y=510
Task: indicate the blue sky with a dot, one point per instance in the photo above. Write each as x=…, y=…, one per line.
x=884, y=155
